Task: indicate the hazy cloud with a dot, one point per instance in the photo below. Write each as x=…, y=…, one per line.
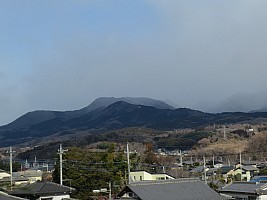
x=64, y=55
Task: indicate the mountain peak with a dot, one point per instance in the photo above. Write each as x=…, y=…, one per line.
x=103, y=102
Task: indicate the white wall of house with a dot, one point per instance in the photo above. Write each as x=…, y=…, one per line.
x=59, y=197
x=4, y=174
x=262, y=197
x=145, y=176
x=140, y=176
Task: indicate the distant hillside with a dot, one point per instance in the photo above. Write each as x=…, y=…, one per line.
x=242, y=102
x=117, y=115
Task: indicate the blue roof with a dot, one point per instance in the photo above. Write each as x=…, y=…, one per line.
x=258, y=178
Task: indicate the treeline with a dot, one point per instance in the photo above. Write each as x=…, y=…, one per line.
x=87, y=171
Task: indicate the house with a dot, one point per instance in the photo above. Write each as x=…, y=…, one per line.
x=252, y=169
x=43, y=190
x=231, y=172
x=145, y=176
x=198, y=169
x=246, y=163
x=183, y=189
x=261, y=165
x=246, y=190
x=225, y=170
x=31, y=175
x=5, y=196
x=4, y=174
x=15, y=180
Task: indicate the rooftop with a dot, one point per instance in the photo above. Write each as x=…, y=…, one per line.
x=187, y=189
x=4, y=196
x=42, y=188
x=245, y=187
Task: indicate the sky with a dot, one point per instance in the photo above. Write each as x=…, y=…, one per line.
x=63, y=54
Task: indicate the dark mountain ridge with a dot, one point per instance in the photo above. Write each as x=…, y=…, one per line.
x=117, y=115
x=36, y=117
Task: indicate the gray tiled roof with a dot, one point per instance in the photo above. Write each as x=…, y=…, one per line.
x=250, y=168
x=249, y=162
x=184, y=189
x=244, y=187
x=4, y=196
x=197, y=169
x=41, y=188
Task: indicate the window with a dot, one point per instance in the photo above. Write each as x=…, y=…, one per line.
x=141, y=178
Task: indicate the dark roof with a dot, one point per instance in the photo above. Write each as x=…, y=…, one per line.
x=244, y=187
x=42, y=188
x=198, y=169
x=247, y=163
x=188, y=188
x=250, y=168
x=4, y=196
x=225, y=169
x=211, y=171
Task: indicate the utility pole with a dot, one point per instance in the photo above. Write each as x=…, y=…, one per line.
x=61, y=152
x=35, y=163
x=10, y=164
x=205, y=176
x=128, y=162
x=109, y=196
x=213, y=160
x=181, y=159
x=240, y=160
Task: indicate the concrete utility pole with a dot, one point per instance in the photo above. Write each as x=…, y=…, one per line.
x=10, y=164
x=204, y=166
x=181, y=159
x=61, y=152
x=213, y=160
x=240, y=160
x=128, y=162
x=35, y=163
x=109, y=196
x=128, y=152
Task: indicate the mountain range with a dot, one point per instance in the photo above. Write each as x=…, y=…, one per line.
x=114, y=113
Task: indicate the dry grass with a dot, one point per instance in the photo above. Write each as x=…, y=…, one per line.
x=232, y=146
